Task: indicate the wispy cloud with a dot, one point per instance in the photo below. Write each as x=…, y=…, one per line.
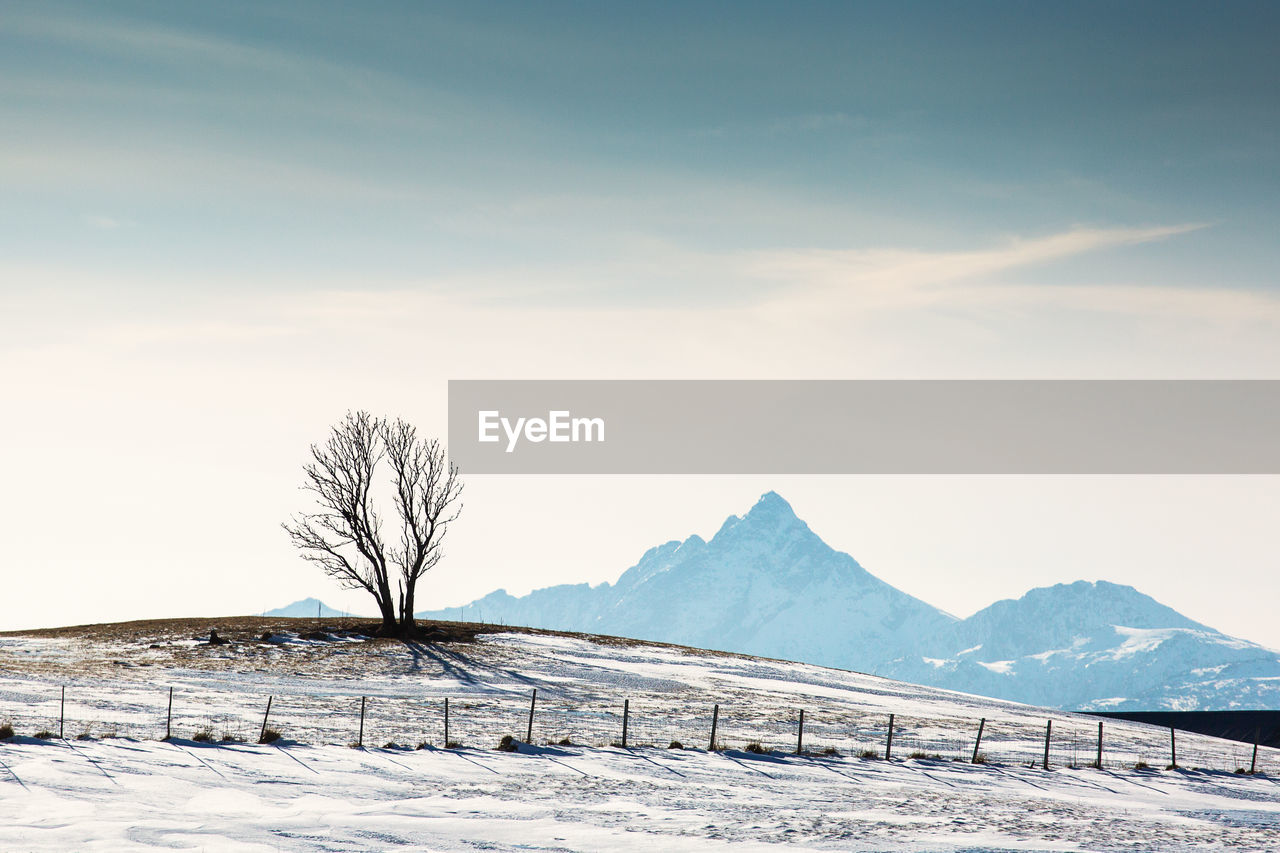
x=861, y=273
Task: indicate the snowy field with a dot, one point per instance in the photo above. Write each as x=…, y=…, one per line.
x=111, y=784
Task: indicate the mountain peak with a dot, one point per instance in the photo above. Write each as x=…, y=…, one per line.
x=771, y=515
x=1084, y=615
x=773, y=504
x=1106, y=603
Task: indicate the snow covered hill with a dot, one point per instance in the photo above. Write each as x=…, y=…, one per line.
x=112, y=784
x=766, y=584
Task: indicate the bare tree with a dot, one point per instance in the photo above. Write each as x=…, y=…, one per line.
x=344, y=537
x=427, y=499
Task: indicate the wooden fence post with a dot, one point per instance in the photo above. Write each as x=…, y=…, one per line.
x=1253, y=765
x=626, y=712
x=1173, y=749
x=1048, y=729
x=800, y=735
x=533, y=701
x=446, y=722
x=62, y=716
x=265, y=716
x=1098, y=763
x=888, y=746
x=977, y=743
x=168, y=720
x=715, y=720
x=360, y=737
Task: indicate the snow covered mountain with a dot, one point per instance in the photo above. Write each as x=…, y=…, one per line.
x=1096, y=646
x=312, y=607
x=767, y=585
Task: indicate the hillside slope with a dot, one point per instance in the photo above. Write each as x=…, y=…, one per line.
x=569, y=789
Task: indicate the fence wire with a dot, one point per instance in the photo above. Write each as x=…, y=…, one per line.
x=480, y=720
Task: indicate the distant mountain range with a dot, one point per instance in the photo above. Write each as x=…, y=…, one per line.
x=1095, y=646
x=767, y=585
x=312, y=607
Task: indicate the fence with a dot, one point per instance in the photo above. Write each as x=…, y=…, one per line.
x=481, y=719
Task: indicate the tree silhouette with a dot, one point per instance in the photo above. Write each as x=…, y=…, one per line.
x=345, y=535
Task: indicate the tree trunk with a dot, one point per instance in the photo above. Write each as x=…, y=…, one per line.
x=387, y=605
x=388, y=609
x=407, y=626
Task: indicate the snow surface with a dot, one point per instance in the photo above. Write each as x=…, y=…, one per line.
x=125, y=795
x=314, y=792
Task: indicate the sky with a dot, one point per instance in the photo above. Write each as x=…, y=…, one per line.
x=224, y=225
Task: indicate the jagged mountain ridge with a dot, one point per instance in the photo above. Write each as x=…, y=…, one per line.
x=758, y=586
x=767, y=585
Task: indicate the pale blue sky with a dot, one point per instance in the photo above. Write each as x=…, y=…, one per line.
x=223, y=224
x=403, y=138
